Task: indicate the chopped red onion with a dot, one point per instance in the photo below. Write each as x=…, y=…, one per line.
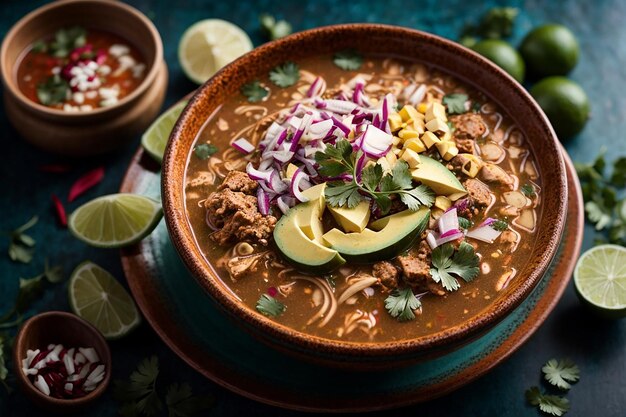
x=484, y=233
x=255, y=174
x=437, y=240
x=243, y=145
x=263, y=200
x=298, y=176
x=448, y=221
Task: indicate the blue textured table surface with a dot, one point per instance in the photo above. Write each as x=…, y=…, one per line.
x=598, y=347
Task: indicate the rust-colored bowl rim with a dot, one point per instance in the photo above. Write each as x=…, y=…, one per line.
x=182, y=236
x=39, y=13
x=61, y=403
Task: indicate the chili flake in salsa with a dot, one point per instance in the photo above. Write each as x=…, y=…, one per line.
x=80, y=69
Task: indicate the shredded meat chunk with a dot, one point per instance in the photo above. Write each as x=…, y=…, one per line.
x=387, y=275
x=239, y=181
x=416, y=273
x=236, y=214
x=468, y=126
x=508, y=239
x=478, y=198
x=465, y=145
x=493, y=174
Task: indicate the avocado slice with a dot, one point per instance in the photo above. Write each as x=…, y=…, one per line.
x=298, y=236
x=352, y=219
x=434, y=174
x=386, y=237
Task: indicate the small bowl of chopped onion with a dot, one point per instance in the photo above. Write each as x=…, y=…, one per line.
x=61, y=361
x=82, y=77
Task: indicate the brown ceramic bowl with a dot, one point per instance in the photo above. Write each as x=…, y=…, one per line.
x=100, y=130
x=58, y=327
x=386, y=40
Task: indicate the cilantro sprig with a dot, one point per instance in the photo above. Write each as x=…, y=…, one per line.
x=139, y=395
x=274, y=29
x=402, y=303
x=285, y=75
x=21, y=244
x=348, y=59
x=341, y=160
x=551, y=404
x=53, y=91
x=254, y=91
x=455, y=102
x=600, y=191
x=269, y=306
x=500, y=225
x=448, y=263
x=205, y=150
x=558, y=373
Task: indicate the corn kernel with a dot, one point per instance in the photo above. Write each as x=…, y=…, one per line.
x=418, y=126
x=429, y=139
x=409, y=112
x=396, y=141
x=422, y=107
x=436, y=111
x=451, y=153
x=411, y=157
x=407, y=133
x=443, y=146
x=391, y=158
x=415, y=144
x=396, y=151
x=395, y=122
x=438, y=126
x=457, y=196
x=443, y=202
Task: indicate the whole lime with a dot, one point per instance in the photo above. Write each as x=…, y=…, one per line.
x=550, y=50
x=564, y=102
x=503, y=55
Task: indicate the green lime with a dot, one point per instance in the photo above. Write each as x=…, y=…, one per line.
x=155, y=138
x=550, y=50
x=564, y=102
x=96, y=296
x=600, y=280
x=115, y=220
x=503, y=55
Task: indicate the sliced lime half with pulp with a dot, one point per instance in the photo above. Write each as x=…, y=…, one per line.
x=155, y=138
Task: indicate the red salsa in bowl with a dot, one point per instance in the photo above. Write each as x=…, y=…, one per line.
x=78, y=70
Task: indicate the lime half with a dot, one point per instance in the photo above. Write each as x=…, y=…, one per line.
x=208, y=45
x=115, y=220
x=96, y=296
x=155, y=138
x=600, y=280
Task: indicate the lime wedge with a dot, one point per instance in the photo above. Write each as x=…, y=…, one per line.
x=155, y=138
x=208, y=45
x=115, y=220
x=96, y=296
x=600, y=280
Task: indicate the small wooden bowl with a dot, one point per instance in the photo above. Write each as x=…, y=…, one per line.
x=58, y=327
x=100, y=130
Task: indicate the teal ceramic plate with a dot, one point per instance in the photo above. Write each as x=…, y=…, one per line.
x=188, y=321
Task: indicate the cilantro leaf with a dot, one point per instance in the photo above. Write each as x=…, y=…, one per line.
x=371, y=176
x=402, y=303
x=269, y=306
x=455, y=102
x=348, y=60
x=138, y=395
x=464, y=223
x=205, y=150
x=401, y=175
x=66, y=40
x=558, y=373
x=181, y=402
x=53, y=91
x=21, y=244
x=339, y=194
x=598, y=214
x=618, y=177
x=286, y=75
x=551, y=404
x=528, y=190
x=463, y=264
x=500, y=225
x=421, y=195
x=254, y=91
x=274, y=29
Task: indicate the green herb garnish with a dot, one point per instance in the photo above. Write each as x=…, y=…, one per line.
x=139, y=394
x=66, y=40
x=551, y=404
x=528, y=190
x=497, y=23
x=348, y=60
x=274, y=29
x=455, y=102
x=464, y=223
x=254, y=91
x=269, y=306
x=402, y=303
x=476, y=106
x=340, y=160
x=205, y=150
x=558, y=373
x=500, y=225
x=21, y=244
x=40, y=47
x=285, y=75
x=53, y=91
x=462, y=263
x=4, y=372
x=602, y=206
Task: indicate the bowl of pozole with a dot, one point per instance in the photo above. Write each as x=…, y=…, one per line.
x=82, y=76
x=364, y=195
